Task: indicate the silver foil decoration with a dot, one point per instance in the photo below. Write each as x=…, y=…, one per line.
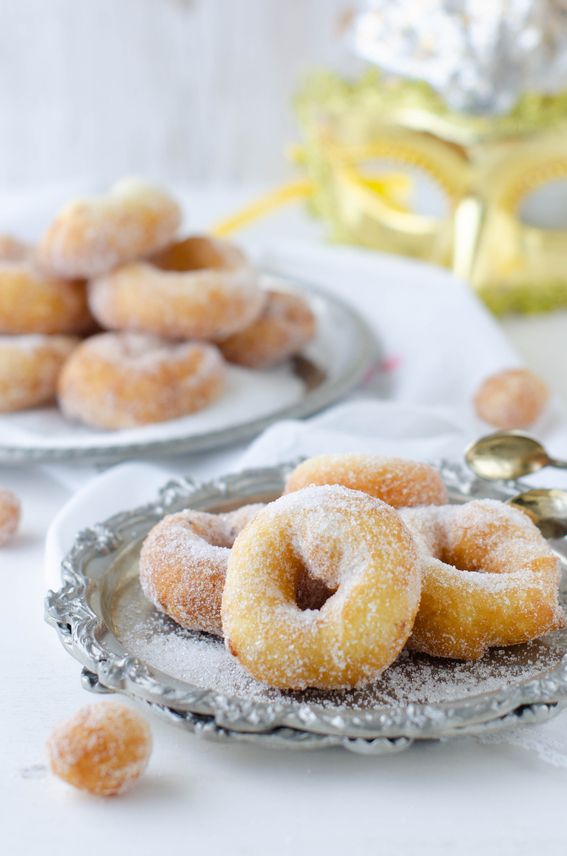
x=479, y=55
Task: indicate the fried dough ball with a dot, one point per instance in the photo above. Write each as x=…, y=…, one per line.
x=13, y=249
x=10, y=514
x=514, y=398
x=102, y=749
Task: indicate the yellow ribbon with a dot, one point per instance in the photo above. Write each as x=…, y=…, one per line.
x=393, y=189
x=263, y=205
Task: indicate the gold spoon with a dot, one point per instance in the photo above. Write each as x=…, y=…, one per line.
x=547, y=508
x=508, y=455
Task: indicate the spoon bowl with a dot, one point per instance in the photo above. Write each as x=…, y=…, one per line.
x=507, y=455
x=547, y=507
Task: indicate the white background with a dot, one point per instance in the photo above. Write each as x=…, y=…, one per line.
x=188, y=89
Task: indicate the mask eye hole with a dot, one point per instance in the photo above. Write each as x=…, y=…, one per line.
x=422, y=194
x=545, y=205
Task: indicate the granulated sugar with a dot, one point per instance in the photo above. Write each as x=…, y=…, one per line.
x=203, y=661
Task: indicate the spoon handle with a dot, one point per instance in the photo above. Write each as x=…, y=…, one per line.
x=560, y=465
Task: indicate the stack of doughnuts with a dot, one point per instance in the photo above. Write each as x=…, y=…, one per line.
x=41, y=317
x=127, y=324
x=361, y=557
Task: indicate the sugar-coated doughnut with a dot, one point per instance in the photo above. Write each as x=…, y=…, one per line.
x=489, y=579
x=29, y=369
x=91, y=236
x=31, y=302
x=10, y=514
x=285, y=326
x=397, y=481
x=359, y=547
x=120, y=380
x=200, y=288
x=102, y=749
x=514, y=398
x=183, y=564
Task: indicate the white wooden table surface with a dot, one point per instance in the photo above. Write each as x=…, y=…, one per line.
x=196, y=90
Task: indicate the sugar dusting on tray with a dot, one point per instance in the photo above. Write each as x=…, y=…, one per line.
x=204, y=662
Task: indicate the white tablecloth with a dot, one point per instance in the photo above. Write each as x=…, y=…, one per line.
x=457, y=798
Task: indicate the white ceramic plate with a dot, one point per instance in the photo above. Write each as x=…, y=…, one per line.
x=332, y=365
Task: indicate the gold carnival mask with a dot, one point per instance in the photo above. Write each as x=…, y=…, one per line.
x=485, y=168
x=364, y=144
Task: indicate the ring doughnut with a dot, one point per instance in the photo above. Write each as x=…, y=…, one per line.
x=396, y=481
x=91, y=236
x=31, y=302
x=198, y=289
x=285, y=326
x=29, y=368
x=121, y=380
x=183, y=564
x=489, y=579
x=363, y=553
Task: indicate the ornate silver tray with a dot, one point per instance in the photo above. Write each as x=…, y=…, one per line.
x=126, y=646
x=332, y=365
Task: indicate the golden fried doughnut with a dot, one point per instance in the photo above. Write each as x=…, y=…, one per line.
x=285, y=326
x=359, y=547
x=489, y=579
x=183, y=564
x=397, y=481
x=120, y=380
x=91, y=236
x=199, y=289
x=31, y=302
x=102, y=749
x=29, y=368
x=514, y=398
x=10, y=514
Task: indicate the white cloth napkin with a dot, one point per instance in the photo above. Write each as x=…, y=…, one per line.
x=437, y=344
x=379, y=426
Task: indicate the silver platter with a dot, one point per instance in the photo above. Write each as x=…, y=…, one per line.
x=125, y=646
x=331, y=366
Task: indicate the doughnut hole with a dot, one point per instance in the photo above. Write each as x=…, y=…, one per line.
x=311, y=592
x=12, y=249
x=10, y=514
x=102, y=749
x=509, y=399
